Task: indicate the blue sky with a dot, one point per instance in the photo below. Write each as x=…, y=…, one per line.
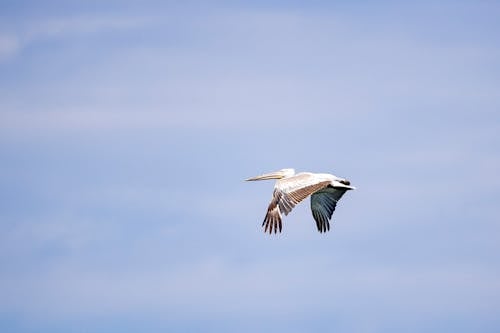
x=127, y=128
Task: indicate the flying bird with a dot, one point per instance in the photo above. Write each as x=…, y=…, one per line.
x=290, y=189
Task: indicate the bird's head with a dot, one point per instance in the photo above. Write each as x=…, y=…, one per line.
x=283, y=173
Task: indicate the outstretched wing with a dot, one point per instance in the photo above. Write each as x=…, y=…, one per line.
x=288, y=192
x=323, y=203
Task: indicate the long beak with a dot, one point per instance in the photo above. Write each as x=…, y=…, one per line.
x=272, y=175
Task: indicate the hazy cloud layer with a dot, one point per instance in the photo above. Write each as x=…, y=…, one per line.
x=126, y=133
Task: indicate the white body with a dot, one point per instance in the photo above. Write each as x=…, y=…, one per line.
x=290, y=189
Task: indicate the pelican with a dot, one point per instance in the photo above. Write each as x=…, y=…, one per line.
x=290, y=189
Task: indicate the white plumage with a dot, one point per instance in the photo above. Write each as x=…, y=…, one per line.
x=290, y=189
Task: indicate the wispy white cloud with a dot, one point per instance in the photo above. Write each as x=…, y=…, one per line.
x=215, y=288
x=76, y=25
x=9, y=46
x=26, y=32
x=251, y=75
